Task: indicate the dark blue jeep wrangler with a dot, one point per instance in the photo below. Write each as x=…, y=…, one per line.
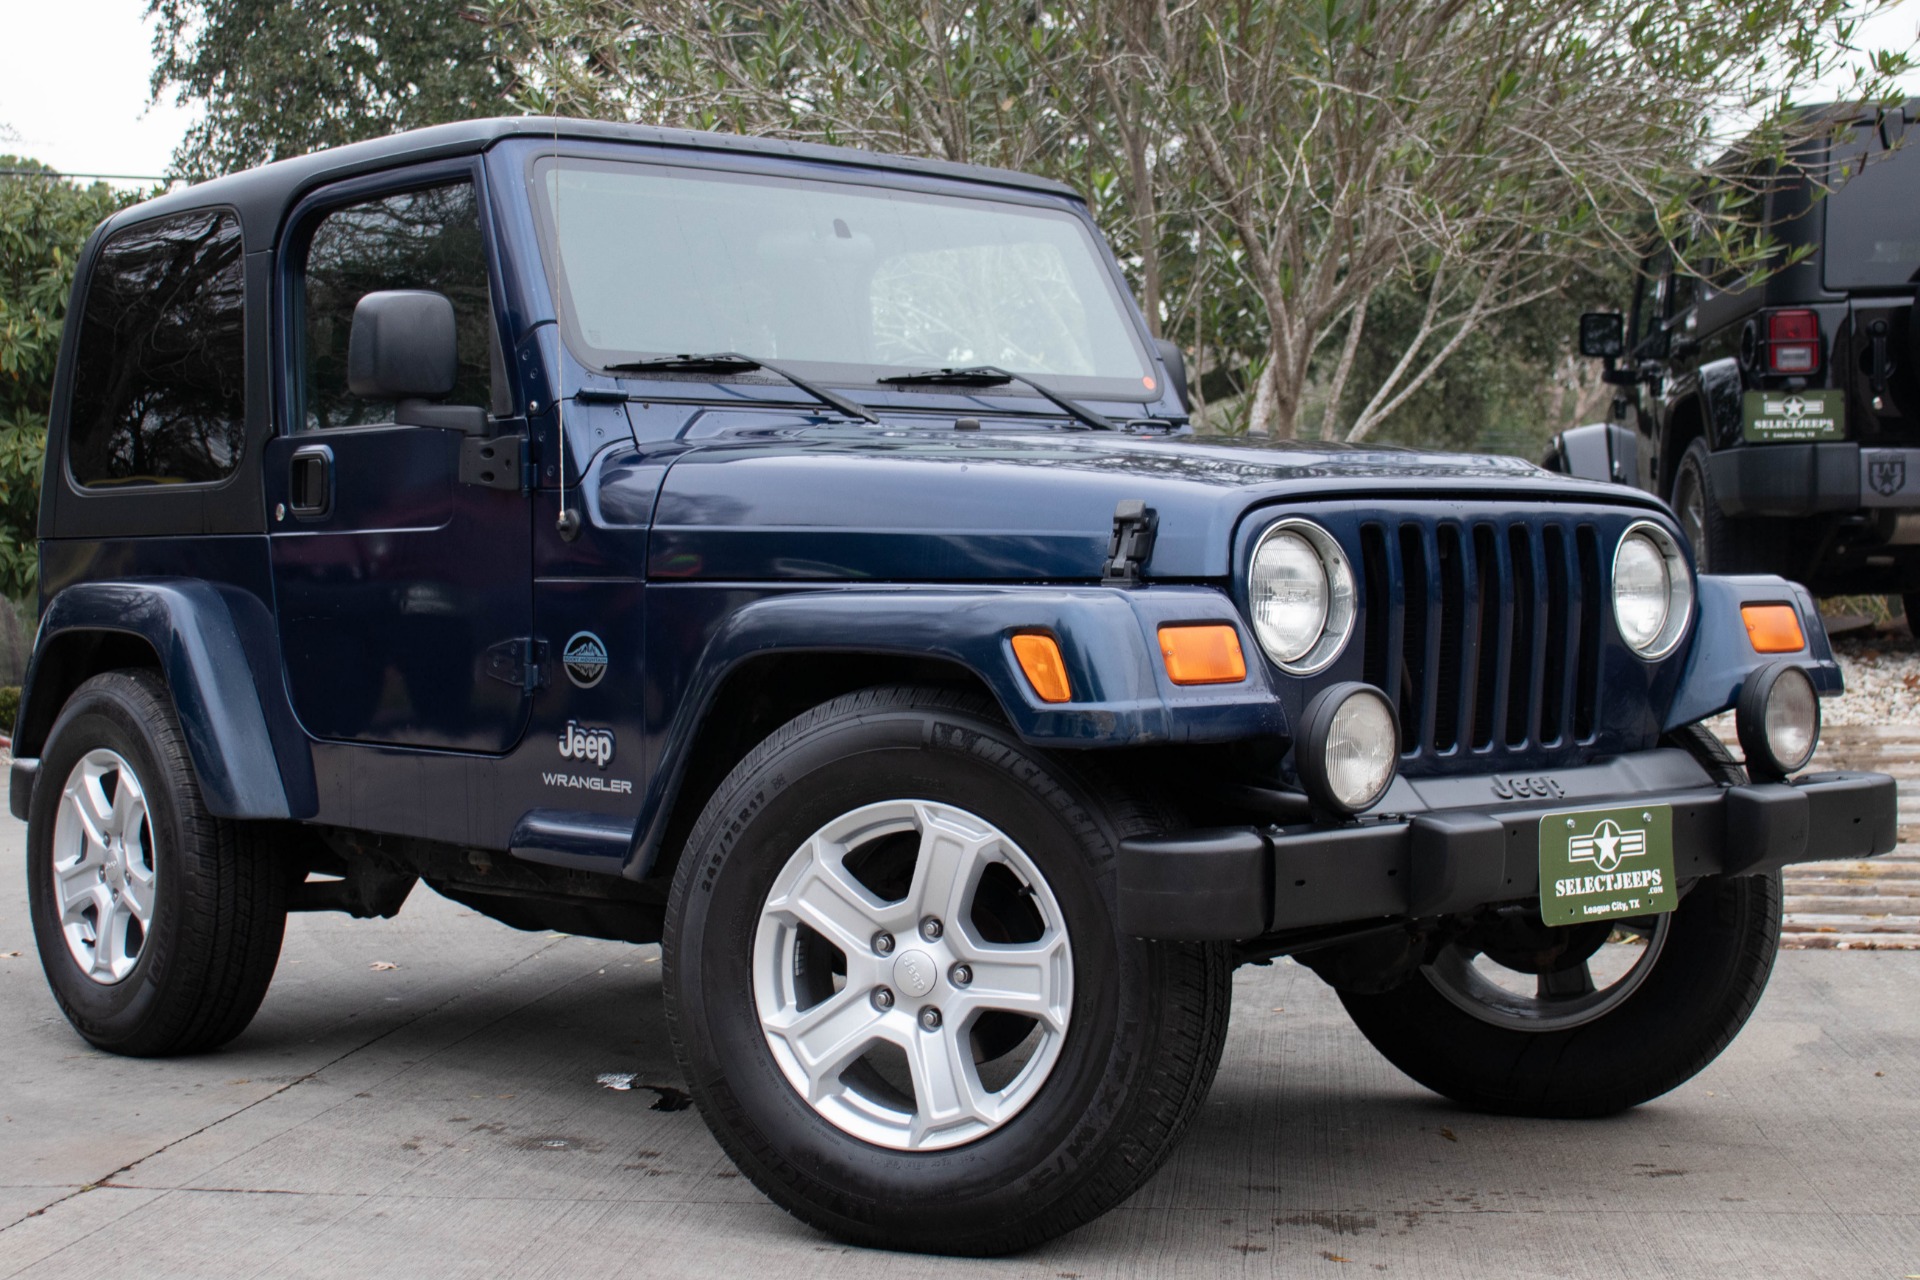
x=793, y=556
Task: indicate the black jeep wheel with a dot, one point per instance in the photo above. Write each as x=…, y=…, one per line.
x=1730, y=544
x=158, y=924
x=1518, y=1018
x=1700, y=517
x=898, y=991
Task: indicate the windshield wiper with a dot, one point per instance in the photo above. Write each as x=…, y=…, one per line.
x=986, y=375
x=734, y=362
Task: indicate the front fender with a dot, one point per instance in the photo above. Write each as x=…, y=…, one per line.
x=245, y=769
x=1108, y=637
x=1722, y=655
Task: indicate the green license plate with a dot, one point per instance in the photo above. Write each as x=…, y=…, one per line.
x=1596, y=864
x=1772, y=416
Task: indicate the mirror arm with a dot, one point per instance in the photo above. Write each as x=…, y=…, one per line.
x=468, y=419
x=1612, y=375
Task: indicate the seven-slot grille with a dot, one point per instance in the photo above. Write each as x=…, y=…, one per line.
x=1485, y=631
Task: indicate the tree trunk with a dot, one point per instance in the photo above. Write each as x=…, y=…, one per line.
x=1276, y=398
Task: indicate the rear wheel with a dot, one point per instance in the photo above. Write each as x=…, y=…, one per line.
x=1700, y=517
x=1730, y=544
x=158, y=924
x=899, y=993
x=1585, y=1020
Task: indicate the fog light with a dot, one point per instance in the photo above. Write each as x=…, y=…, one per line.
x=1779, y=721
x=1349, y=747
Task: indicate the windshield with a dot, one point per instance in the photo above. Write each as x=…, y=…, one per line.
x=848, y=283
x=1873, y=214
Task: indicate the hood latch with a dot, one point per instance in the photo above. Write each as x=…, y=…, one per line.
x=1134, y=527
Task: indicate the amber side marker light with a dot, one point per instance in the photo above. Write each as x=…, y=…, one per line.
x=1046, y=671
x=1773, y=628
x=1203, y=654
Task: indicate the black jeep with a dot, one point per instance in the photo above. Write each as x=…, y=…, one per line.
x=1782, y=418
x=797, y=557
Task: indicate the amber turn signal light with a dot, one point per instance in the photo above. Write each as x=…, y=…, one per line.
x=1203, y=654
x=1046, y=671
x=1773, y=628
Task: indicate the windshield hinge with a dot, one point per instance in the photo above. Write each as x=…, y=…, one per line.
x=1134, y=527
x=521, y=662
x=497, y=462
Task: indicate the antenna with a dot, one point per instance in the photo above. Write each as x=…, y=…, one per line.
x=569, y=522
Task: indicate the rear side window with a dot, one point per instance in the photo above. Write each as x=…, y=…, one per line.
x=159, y=384
x=424, y=239
x=1873, y=238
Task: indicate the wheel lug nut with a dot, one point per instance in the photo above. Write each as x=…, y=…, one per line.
x=961, y=975
x=882, y=998
x=930, y=1018
x=930, y=929
x=883, y=944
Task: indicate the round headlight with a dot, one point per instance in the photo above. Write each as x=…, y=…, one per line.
x=1301, y=595
x=1778, y=720
x=1349, y=747
x=1652, y=590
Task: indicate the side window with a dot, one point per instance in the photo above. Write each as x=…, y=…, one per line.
x=159, y=384
x=1652, y=292
x=424, y=239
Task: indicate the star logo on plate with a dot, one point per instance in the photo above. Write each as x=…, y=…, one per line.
x=1607, y=845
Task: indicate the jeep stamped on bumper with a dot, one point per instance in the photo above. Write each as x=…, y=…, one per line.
x=800, y=559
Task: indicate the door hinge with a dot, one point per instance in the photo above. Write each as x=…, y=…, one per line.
x=498, y=462
x=1134, y=527
x=521, y=662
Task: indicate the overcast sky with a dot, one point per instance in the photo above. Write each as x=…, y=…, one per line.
x=73, y=83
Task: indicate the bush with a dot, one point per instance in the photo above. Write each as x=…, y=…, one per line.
x=9, y=708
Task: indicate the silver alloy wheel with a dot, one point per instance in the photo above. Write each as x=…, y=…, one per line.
x=104, y=873
x=919, y=978
x=1565, y=998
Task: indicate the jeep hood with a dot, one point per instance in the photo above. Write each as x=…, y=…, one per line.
x=910, y=504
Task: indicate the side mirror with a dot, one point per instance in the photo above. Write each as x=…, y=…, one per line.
x=404, y=348
x=1176, y=362
x=1603, y=335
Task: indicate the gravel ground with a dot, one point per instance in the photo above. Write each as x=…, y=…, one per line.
x=1882, y=669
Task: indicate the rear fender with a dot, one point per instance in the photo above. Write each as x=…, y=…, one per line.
x=247, y=765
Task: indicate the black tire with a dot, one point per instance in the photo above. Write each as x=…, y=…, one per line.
x=218, y=908
x=1700, y=516
x=1147, y=1024
x=1698, y=993
x=1730, y=544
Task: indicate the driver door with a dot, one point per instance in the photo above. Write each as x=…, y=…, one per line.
x=404, y=595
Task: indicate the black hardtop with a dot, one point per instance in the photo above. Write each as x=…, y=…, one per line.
x=263, y=195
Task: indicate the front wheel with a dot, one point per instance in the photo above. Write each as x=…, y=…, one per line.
x=1582, y=1020
x=899, y=993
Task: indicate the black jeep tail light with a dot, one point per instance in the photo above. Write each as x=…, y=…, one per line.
x=1793, y=342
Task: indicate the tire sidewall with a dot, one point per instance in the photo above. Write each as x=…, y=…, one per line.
x=1705, y=984
x=1712, y=550
x=107, y=712
x=764, y=816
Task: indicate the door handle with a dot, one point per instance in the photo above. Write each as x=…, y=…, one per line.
x=310, y=482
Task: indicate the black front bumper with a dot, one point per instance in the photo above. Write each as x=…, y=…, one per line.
x=1233, y=884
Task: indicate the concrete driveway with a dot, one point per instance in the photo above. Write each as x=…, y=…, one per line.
x=420, y=1097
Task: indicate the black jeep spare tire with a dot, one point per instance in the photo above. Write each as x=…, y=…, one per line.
x=158, y=924
x=1584, y=1020
x=898, y=991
